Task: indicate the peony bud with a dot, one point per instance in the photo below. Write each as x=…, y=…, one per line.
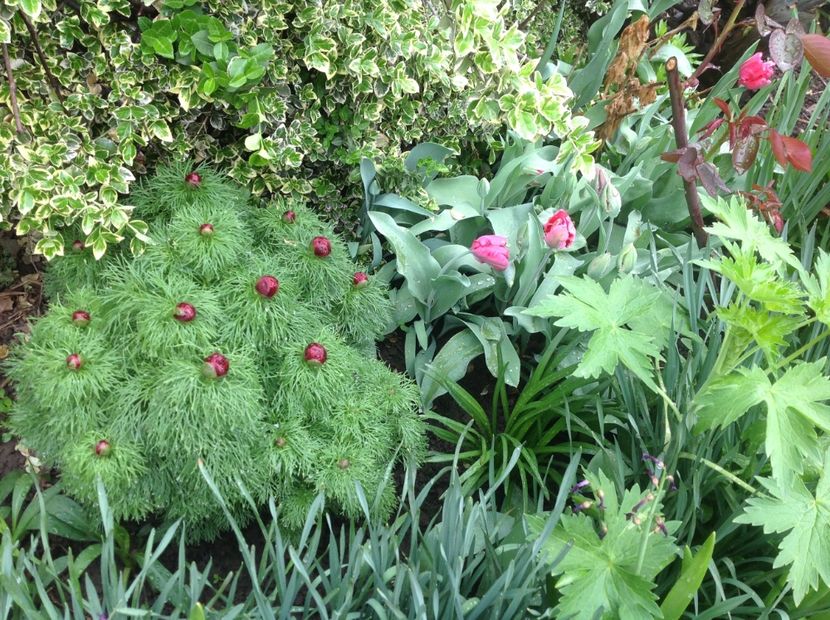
x=360, y=279
x=206, y=229
x=193, y=179
x=74, y=361
x=321, y=246
x=267, y=286
x=184, y=312
x=81, y=318
x=78, y=245
x=315, y=354
x=280, y=442
x=289, y=217
x=343, y=464
x=560, y=232
x=216, y=366
x=102, y=448
x=491, y=250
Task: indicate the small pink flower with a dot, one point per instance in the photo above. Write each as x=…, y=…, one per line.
x=492, y=250
x=559, y=231
x=755, y=73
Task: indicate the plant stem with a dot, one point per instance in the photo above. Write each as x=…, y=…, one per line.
x=658, y=494
x=42, y=57
x=730, y=24
x=800, y=351
x=714, y=466
x=681, y=138
x=18, y=124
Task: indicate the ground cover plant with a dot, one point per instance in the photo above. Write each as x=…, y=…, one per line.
x=255, y=358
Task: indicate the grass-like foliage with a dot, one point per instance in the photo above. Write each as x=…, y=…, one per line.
x=239, y=340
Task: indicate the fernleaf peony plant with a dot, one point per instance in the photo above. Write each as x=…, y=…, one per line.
x=243, y=337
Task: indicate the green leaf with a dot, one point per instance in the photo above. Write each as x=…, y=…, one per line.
x=619, y=321
x=688, y=583
x=818, y=288
x=5, y=31
x=451, y=362
x=600, y=573
x=415, y=263
x=740, y=224
x=794, y=410
x=805, y=517
x=30, y=7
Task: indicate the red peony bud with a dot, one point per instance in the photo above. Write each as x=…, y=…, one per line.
x=206, y=229
x=321, y=246
x=360, y=279
x=267, y=286
x=74, y=361
x=216, y=366
x=81, y=318
x=193, y=179
x=102, y=448
x=289, y=217
x=184, y=312
x=315, y=354
x=343, y=463
x=78, y=245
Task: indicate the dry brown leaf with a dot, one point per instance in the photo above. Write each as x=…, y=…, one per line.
x=6, y=303
x=4, y=351
x=632, y=43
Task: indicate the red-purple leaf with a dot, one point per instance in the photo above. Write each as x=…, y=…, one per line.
x=744, y=152
x=687, y=164
x=710, y=179
x=778, y=148
x=672, y=156
x=791, y=150
x=798, y=154
x=724, y=108
x=817, y=51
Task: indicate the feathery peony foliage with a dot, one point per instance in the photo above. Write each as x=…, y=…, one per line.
x=240, y=339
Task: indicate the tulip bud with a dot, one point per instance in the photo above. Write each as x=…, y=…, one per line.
x=627, y=259
x=599, y=266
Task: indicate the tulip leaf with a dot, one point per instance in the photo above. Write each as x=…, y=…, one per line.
x=415, y=263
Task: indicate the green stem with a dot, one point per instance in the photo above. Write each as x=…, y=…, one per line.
x=799, y=351
x=658, y=494
x=726, y=474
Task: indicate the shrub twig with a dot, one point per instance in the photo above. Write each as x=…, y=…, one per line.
x=42, y=57
x=678, y=114
x=18, y=124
